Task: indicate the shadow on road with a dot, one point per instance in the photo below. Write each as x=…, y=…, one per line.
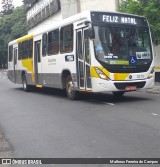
x=110, y=98
x=92, y=97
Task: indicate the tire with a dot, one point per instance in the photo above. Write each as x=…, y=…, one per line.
x=118, y=94
x=70, y=92
x=26, y=87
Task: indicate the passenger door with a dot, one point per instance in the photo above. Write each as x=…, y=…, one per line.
x=83, y=59
x=15, y=54
x=37, y=61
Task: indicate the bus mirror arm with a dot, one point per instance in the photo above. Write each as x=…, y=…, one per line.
x=91, y=33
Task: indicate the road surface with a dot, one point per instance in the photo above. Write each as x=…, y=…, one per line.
x=45, y=124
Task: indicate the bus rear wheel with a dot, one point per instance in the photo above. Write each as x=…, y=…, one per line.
x=26, y=87
x=118, y=94
x=71, y=93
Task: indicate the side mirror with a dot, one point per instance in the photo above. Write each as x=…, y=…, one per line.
x=91, y=33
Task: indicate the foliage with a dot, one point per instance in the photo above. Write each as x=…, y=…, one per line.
x=148, y=8
x=7, y=7
x=11, y=27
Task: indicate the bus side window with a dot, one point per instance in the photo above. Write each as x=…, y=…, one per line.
x=24, y=50
x=20, y=55
x=66, y=39
x=87, y=52
x=10, y=53
x=19, y=51
x=79, y=45
x=44, y=44
x=53, y=42
x=30, y=48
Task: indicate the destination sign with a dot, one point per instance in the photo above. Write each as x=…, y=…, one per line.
x=117, y=18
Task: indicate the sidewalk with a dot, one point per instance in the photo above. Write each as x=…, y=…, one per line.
x=155, y=89
x=5, y=148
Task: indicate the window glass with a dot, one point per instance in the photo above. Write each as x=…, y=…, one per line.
x=43, y=13
x=15, y=56
x=47, y=11
x=79, y=45
x=66, y=39
x=53, y=42
x=10, y=53
x=81, y=73
x=25, y=50
x=38, y=51
x=30, y=48
x=44, y=44
x=123, y=46
x=87, y=52
x=19, y=51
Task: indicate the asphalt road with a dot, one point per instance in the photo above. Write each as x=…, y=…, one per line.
x=45, y=124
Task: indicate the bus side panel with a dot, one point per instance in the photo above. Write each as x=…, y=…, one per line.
x=24, y=68
x=11, y=63
x=58, y=64
x=10, y=74
x=25, y=59
x=53, y=68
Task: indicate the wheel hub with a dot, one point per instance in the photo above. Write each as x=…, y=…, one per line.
x=70, y=87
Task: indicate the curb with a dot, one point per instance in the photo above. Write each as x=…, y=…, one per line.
x=153, y=91
x=5, y=148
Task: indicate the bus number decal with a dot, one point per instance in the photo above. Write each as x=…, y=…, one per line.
x=69, y=58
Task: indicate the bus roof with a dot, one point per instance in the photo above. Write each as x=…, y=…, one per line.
x=21, y=39
x=85, y=15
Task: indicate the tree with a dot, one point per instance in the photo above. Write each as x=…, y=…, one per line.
x=7, y=7
x=148, y=8
x=11, y=27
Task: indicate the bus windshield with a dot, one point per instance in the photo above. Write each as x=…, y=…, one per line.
x=122, y=46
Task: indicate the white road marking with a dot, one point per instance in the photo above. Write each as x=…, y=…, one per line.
x=111, y=104
x=155, y=114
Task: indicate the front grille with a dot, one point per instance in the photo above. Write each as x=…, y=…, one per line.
x=123, y=85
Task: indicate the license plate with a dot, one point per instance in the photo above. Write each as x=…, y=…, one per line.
x=131, y=88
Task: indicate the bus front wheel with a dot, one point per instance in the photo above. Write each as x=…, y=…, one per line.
x=71, y=93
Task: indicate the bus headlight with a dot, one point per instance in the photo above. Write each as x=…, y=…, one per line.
x=151, y=74
x=101, y=74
